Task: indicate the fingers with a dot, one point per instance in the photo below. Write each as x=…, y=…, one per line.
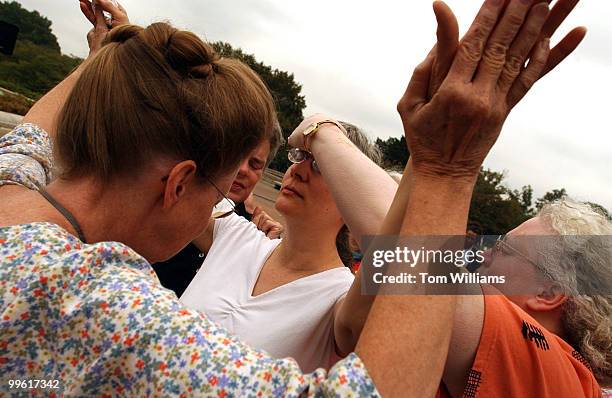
x=266, y=224
x=565, y=47
x=87, y=10
x=417, y=90
x=446, y=47
x=100, y=21
x=558, y=13
x=522, y=46
x=256, y=214
x=496, y=49
x=119, y=15
x=471, y=47
x=531, y=74
x=275, y=232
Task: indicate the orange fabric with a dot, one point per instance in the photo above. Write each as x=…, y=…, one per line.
x=517, y=357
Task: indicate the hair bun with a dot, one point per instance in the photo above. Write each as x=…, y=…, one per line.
x=188, y=55
x=201, y=71
x=123, y=33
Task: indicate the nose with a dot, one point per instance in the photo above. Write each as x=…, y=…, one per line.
x=488, y=258
x=244, y=168
x=300, y=170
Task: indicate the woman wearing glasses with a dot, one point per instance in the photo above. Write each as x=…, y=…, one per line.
x=288, y=296
x=80, y=305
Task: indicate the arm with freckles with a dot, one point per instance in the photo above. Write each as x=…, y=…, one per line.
x=45, y=111
x=511, y=86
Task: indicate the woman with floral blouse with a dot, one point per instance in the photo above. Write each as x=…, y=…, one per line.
x=148, y=132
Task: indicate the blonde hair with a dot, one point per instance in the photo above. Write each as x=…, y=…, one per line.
x=581, y=263
x=161, y=91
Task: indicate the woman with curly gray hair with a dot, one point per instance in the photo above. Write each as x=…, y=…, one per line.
x=558, y=269
x=585, y=250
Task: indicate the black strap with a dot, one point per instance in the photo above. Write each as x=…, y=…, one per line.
x=65, y=213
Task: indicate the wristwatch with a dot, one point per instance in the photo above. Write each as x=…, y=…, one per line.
x=312, y=129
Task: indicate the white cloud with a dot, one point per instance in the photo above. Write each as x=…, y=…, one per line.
x=354, y=59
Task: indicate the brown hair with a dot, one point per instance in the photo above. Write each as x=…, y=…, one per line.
x=161, y=91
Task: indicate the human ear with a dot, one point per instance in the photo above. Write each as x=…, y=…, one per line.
x=179, y=180
x=548, y=298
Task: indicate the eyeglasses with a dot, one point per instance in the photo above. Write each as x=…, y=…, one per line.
x=297, y=155
x=502, y=245
x=224, y=205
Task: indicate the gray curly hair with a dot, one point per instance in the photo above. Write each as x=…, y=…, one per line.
x=580, y=263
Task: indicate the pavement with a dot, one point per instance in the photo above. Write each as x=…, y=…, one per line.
x=265, y=192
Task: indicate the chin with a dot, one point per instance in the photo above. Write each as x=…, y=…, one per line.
x=285, y=206
x=238, y=197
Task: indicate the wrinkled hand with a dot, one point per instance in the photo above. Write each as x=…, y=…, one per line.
x=296, y=139
x=451, y=133
x=448, y=40
x=95, y=37
x=266, y=224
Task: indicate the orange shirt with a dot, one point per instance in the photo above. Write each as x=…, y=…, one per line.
x=517, y=357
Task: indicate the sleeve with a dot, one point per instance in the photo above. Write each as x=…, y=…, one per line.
x=234, y=222
x=148, y=344
x=26, y=157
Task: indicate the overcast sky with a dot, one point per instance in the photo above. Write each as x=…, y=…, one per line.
x=354, y=59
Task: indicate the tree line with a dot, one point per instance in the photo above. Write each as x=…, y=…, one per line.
x=38, y=65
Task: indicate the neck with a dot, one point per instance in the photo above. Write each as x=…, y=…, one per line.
x=551, y=320
x=315, y=248
x=104, y=213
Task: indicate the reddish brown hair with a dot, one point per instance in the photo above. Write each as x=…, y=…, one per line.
x=160, y=91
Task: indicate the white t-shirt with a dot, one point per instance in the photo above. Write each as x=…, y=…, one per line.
x=293, y=320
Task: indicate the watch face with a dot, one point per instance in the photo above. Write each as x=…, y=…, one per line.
x=310, y=129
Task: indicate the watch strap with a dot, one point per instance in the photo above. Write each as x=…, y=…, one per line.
x=310, y=134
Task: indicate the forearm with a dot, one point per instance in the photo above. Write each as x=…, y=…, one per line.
x=435, y=206
x=354, y=309
x=45, y=111
x=362, y=191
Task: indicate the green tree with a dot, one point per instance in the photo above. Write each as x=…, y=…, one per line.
x=394, y=151
x=33, y=27
x=37, y=64
x=33, y=70
x=600, y=209
x=495, y=208
x=557, y=194
x=551, y=196
x=286, y=91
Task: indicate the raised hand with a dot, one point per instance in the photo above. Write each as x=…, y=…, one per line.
x=451, y=133
x=448, y=35
x=96, y=35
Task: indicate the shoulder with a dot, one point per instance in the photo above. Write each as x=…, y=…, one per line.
x=236, y=227
x=26, y=157
x=517, y=352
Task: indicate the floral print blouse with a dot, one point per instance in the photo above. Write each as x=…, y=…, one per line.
x=93, y=320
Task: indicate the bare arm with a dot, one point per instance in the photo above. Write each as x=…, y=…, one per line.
x=355, y=181
x=45, y=111
x=351, y=313
x=449, y=134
